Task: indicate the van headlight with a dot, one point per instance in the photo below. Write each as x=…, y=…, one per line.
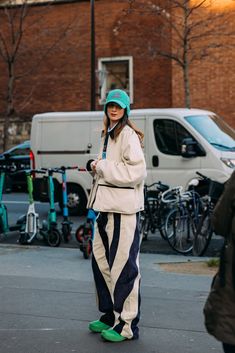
x=228, y=162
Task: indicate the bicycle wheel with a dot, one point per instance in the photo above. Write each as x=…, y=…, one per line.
x=53, y=238
x=203, y=235
x=179, y=230
x=163, y=211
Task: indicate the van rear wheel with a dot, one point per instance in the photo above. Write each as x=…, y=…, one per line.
x=76, y=200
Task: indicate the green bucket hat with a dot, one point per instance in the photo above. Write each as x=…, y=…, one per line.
x=119, y=97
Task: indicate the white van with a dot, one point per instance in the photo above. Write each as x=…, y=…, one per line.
x=178, y=142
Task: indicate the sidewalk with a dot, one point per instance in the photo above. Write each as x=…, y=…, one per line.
x=48, y=298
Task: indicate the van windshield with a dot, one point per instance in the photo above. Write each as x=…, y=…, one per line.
x=214, y=130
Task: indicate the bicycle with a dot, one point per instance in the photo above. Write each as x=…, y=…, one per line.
x=204, y=230
x=85, y=232
x=152, y=218
x=181, y=222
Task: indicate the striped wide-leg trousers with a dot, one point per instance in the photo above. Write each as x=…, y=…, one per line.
x=115, y=264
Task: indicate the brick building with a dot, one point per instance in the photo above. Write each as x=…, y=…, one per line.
x=212, y=79
x=54, y=62
x=62, y=80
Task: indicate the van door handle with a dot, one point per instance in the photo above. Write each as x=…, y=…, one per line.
x=155, y=161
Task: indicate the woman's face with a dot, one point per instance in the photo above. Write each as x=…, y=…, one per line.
x=115, y=113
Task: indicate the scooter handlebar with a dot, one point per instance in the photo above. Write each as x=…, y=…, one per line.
x=11, y=168
x=39, y=171
x=82, y=169
x=61, y=169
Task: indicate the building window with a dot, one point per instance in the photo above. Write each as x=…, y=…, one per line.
x=115, y=72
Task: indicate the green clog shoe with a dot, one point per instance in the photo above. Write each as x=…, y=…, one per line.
x=98, y=326
x=112, y=336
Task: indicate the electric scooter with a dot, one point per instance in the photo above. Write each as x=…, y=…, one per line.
x=66, y=223
x=85, y=233
x=31, y=228
x=4, y=225
x=49, y=228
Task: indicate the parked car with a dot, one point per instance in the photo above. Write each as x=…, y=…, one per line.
x=19, y=156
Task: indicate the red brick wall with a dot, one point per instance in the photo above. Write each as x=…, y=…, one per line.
x=62, y=81
x=212, y=80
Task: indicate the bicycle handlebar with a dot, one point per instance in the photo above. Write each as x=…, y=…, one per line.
x=157, y=183
x=174, y=191
x=204, y=177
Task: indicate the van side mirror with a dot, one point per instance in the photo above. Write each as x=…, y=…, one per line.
x=191, y=148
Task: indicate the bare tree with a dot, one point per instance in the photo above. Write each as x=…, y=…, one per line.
x=193, y=28
x=17, y=20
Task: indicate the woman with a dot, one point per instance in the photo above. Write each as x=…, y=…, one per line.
x=117, y=194
x=219, y=309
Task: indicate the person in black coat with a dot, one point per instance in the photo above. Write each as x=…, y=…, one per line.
x=219, y=309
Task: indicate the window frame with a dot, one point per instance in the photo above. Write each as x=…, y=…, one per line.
x=175, y=126
x=102, y=85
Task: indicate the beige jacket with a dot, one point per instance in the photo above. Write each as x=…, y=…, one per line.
x=119, y=180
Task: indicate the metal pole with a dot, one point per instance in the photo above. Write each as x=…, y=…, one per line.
x=93, y=78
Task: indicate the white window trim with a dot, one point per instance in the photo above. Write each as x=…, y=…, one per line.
x=102, y=87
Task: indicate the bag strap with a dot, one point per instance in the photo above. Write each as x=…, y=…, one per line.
x=105, y=146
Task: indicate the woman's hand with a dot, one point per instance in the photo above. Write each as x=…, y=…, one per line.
x=94, y=164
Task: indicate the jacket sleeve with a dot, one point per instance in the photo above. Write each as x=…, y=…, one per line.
x=131, y=170
x=225, y=209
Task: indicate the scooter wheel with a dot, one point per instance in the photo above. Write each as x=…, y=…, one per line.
x=53, y=238
x=23, y=238
x=79, y=234
x=87, y=248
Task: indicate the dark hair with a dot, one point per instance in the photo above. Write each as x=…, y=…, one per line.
x=121, y=124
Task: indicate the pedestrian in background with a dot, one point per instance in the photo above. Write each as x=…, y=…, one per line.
x=117, y=193
x=219, y=309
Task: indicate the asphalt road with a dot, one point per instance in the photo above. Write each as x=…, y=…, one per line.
x=17, y=205
x=48, y=298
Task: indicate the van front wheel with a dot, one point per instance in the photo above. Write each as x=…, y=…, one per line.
x=76, y=200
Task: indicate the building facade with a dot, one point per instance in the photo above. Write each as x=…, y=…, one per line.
x=52, y=70
x=61, y=80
